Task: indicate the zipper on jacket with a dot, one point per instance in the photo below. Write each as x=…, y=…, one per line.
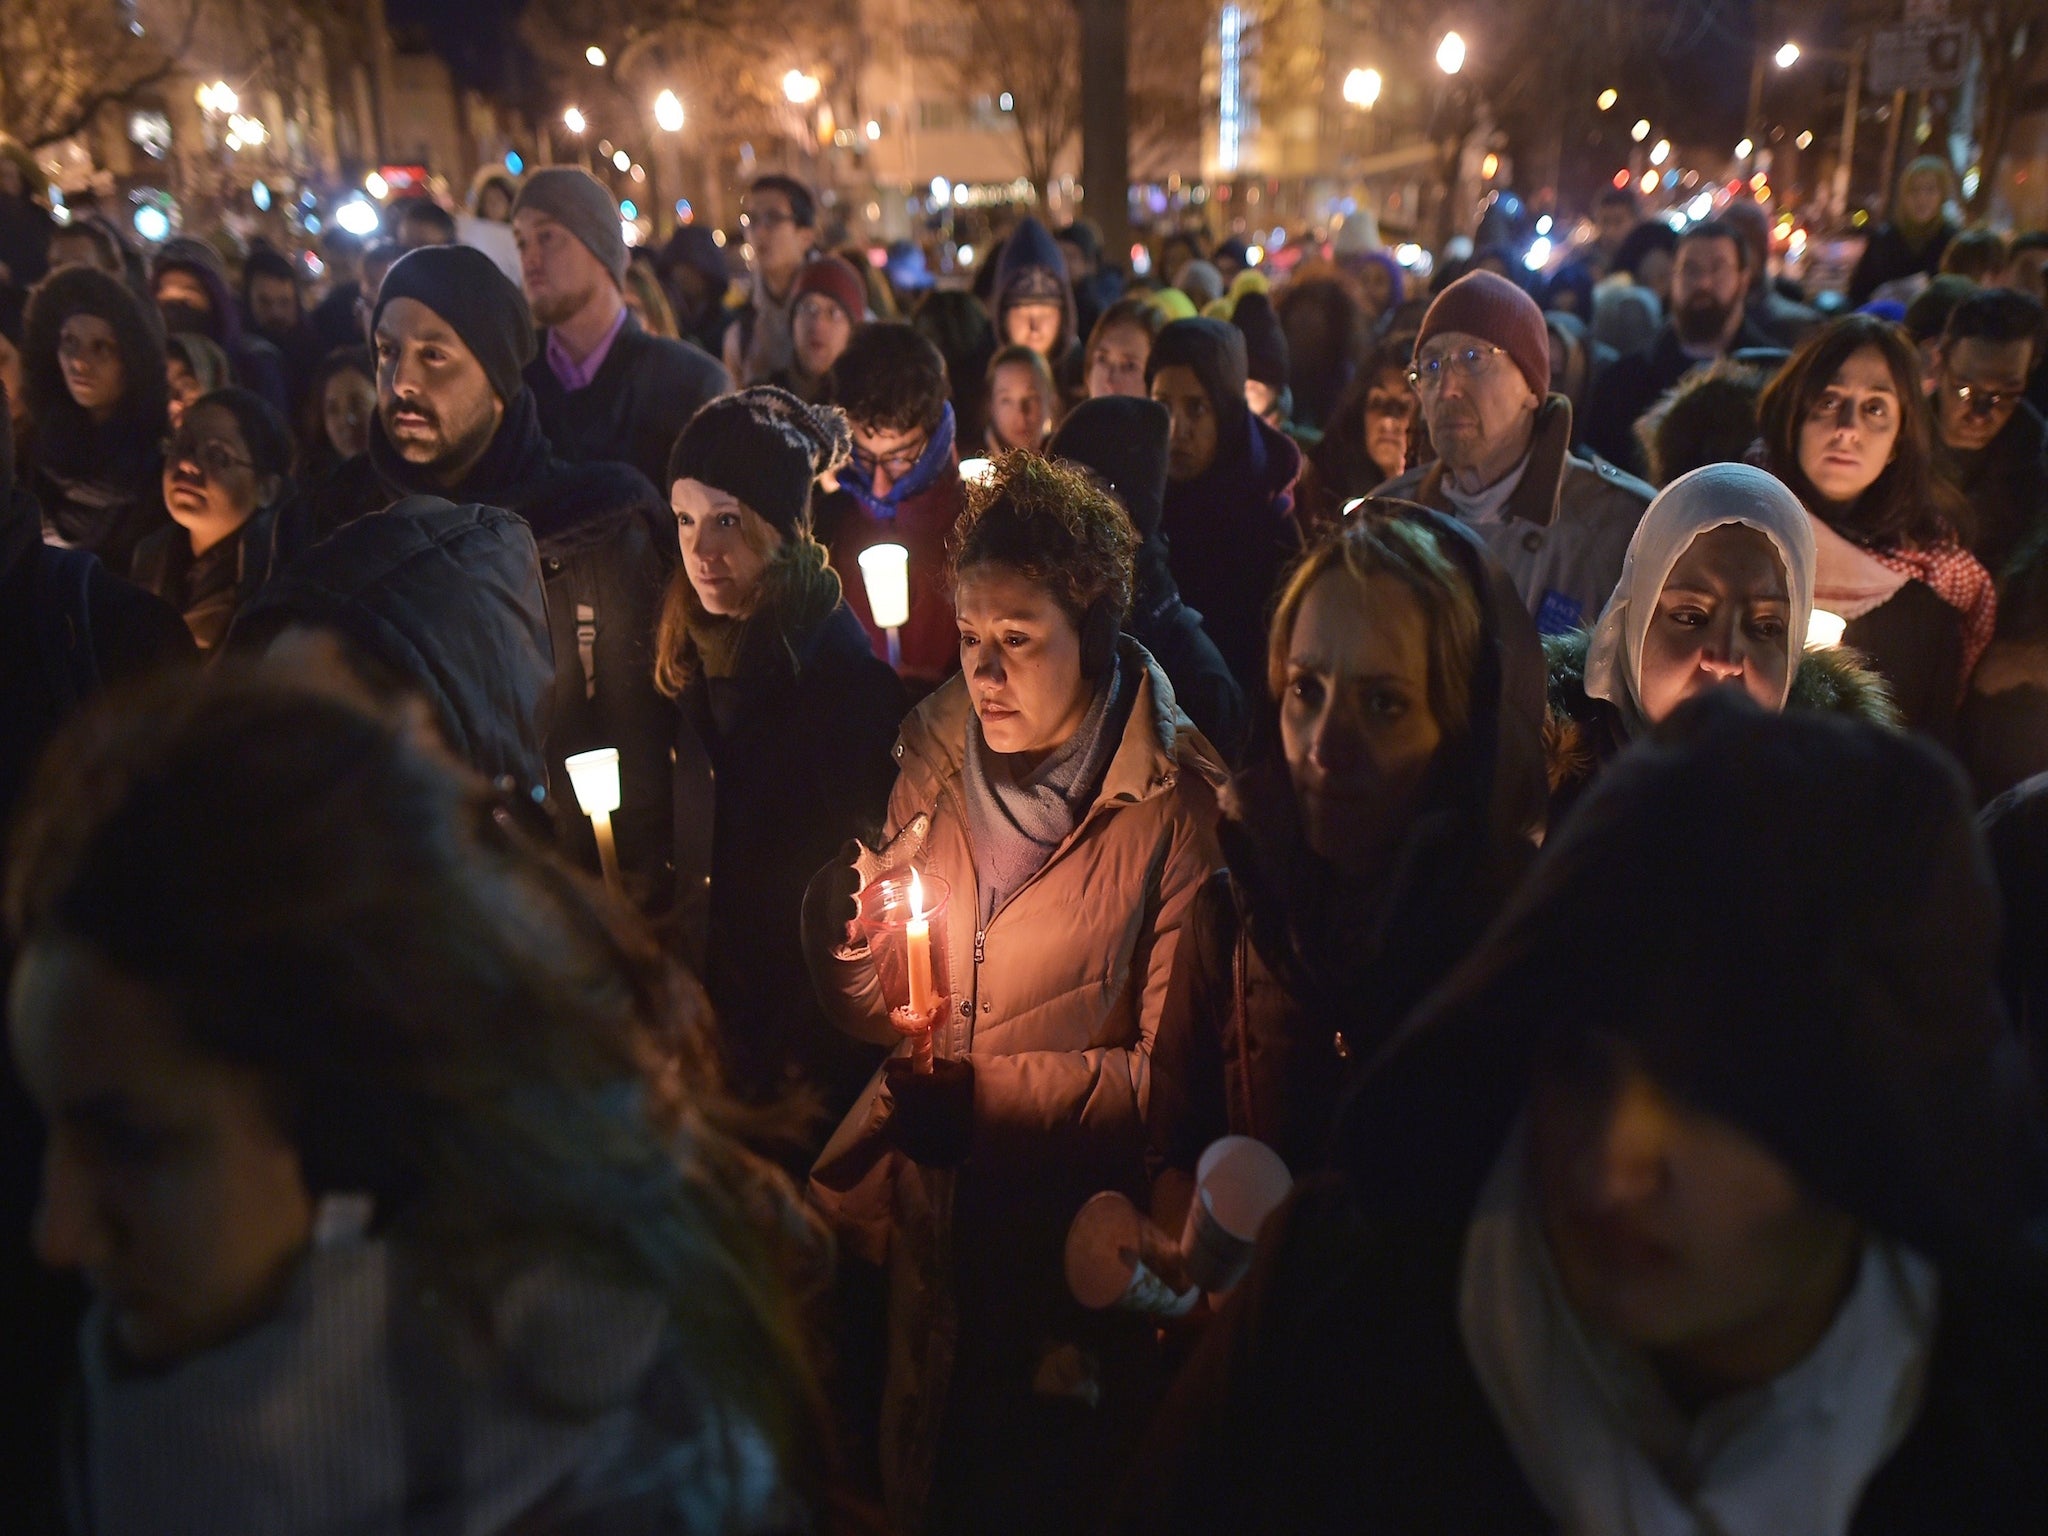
x=980, y=934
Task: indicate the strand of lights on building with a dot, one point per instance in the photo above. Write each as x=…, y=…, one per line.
x=1229, y=105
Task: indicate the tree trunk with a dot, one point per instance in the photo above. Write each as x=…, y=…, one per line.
x=1105, y=125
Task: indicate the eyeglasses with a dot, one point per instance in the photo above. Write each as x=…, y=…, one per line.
x=1978, y=401
x=1465, y=365
x=214, y=458
x=772, y=218
x=899, y=462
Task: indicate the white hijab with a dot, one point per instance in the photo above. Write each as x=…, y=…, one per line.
x=1689, y=506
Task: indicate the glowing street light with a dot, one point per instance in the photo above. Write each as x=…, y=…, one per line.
x=800, y=88
x=1745, y=149
x=219, y=97
x=1787, y=56
x=1362, y=88
x=1450, y=53
x=1641, y=131
x=621, y=160
x=668, y=112
x=1660, y=152
x=874, y=130
x=596, y=56
x=573, y=121
x=1607, y=99
x=1805, y=140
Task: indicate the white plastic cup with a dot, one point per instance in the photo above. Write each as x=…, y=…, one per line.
x=977, y=471
x=885, y=572
x=595, y=778
x=1106, y=1248
x=1239, y=1182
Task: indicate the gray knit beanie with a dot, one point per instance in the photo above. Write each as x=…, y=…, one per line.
x=578, y=201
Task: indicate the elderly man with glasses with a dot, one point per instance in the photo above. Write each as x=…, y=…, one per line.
x=1560, y=523
x=1990, y=444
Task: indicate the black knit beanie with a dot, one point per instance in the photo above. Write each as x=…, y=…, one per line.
x=1265, y=344
x=1215, y=351
x=484, y=306
x=765, y=447
x=1123, y=441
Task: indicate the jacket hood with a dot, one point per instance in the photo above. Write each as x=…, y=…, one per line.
x=1860, y=1038
x=224, y=325
x=1471, y=838
x=66, y=437
x=1214, y=351
x=1123, y=441
x=449, y=600
x=1032, y=269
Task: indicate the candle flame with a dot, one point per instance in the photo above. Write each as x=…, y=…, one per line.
x=916, y=898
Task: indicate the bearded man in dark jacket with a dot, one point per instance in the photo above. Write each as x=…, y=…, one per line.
x=455, y=420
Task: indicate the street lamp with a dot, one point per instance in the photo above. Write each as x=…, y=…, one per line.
x=800, y=88
x=1450, y=53
x=1744, y=149
x=1362, y=88
x=573, y=121
x=1787, y=56
x=1660, y=152
x=1641, y=131
x=595, y=55
x=668, y=112
x=1607, y=99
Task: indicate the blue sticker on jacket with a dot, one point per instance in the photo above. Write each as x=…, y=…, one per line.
x=1558, y=614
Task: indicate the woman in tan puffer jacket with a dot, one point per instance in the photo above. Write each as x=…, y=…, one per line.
x=1070, y=806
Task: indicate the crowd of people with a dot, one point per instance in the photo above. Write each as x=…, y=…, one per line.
x=1559, y=757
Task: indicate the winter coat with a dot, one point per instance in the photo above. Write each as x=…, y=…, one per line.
x=258, y=365
x=2015, y=827
x=1890, y=255
x=211, y=589
x=1173, y=633
x=1865, y=1049
x=25, y=230
x=1564, y=531
x=449, y=601
x=1290, y=977
x=334, y=320
x=1914, y=641
x=1581, y=735
x=2006, y=485
x=607, y=543
x=1057, y=1003
x=101, y=490
x=919, y=514
x=645, y=393
x=358, y=1406
x=775, y=769
x=1231, y=537
x=1635, y=382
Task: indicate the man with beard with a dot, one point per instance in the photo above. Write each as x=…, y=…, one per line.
x=456, y=420
x=1708, y=320
x=1558, y=521
x=605, y=388
x=275, y=310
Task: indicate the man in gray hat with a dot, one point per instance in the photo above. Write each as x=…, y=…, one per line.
x=607, y=390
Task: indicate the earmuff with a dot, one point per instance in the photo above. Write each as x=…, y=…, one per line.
x=1100, y=626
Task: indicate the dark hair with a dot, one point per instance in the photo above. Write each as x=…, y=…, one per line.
x=313, y=409
x=1716, y=229
x=1344, y=468
x=1708, y=417
x=267, y=262
x=421, y=210
x=381, y=252
x=890, y=378
x=2031, y=240
x=1052, y=525
x=1647, y=238
x=803, y=207
x=440, y=1012
x=264, y=433
x=1927, y=316
x=1908, y=503
x=1996, y=315
x=1617, y=197
x=1130, y=312
x=336, y=241
x=1977, y=254
x=103, y=238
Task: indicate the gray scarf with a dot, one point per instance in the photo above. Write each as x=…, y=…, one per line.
x=1016, y=823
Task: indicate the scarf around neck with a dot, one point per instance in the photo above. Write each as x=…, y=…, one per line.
x=516, y=459
x=930, y=464
x=1017, y=820
x=1606, y=1451
x=798, y=592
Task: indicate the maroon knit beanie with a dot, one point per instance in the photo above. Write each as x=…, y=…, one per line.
x=837, y=281
x=1488, y=306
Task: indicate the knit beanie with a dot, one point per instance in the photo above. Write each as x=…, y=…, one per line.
x=1265, y=344
x=837, y=281
x=1123, y=440
x=578, y=201
x=1172, y=303
x=1215, y=350
x=485, y=307
x=765, y=447
x=1488, y=306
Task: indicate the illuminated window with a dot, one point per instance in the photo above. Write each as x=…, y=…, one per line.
x=1230, y=104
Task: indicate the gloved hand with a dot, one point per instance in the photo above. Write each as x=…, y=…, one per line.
x=832, y=900
x=934, y=1119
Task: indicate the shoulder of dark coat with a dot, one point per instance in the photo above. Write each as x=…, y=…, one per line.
x=1576, y=726
x=1836, y=681
x=578, y=506
x=666, y=359
x=1596, y=489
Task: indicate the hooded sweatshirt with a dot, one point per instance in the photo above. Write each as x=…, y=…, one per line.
x=1292, y=974
x=1858, y=1039
x=447, y=600
x=258, y=365
x=1032, y=270
x=1230, y=531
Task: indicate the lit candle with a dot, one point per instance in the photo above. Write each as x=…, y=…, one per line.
x=1824, y=629
x=919, y=936
x=595, y=778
